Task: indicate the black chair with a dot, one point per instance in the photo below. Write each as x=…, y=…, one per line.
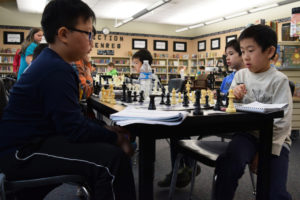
x=12, y=187
x=177, y=84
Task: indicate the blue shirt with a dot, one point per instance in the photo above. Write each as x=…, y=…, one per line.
x=226, y=83
x=43, y=103
x=23, y=64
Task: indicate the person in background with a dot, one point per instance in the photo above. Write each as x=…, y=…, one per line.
x=234, y=61
x=264, y=84
x=42, y=125
x=16, y=62
x=201, y=70
x=182, y=72
x=32, y=40
x=111, y=69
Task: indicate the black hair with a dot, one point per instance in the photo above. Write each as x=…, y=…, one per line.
x=38, y=50
x=263, y=35
x=63, y=13
x=142, y=55
x=235, y=45
x=111, y=64
x=94, y=31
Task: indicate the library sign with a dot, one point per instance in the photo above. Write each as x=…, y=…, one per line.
x=105, y=44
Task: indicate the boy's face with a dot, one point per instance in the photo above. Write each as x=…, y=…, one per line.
x=233, y=59
x=254, y=59
x=79, y=43
x=137, y=64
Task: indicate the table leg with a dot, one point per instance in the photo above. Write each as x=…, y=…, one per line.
x=265, y=148
x=146, y=167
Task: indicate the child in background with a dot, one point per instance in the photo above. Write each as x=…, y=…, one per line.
x=32, y=40
x=264, y=84
x=111, y=69
x=234, y=61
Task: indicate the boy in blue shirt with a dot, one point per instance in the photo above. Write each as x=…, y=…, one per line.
x=43, y=132
x=264, y=84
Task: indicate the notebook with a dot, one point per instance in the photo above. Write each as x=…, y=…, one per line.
x=260, y=107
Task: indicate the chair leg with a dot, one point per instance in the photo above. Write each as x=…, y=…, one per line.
x=2, y=191
x=193, y=178
x=213, y=190
x=252, y=181
x=174, y=175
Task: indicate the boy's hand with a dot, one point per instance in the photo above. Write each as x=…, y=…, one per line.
x=239, y=91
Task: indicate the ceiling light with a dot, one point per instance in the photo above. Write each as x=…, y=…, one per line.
x=264, y=7
x=196, y=26
x=236, y=15
x=155, y=5
x=214, y=21
x=182, y=29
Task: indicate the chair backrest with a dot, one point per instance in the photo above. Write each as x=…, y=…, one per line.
x=177, y=84
x=292, y=87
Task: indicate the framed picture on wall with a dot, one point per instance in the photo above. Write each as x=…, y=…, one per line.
x=13, y=37
x=202, y=45
x=160, y=45
x=139, y=44
x=215, y=43
x=179, y=46
x=230, y=37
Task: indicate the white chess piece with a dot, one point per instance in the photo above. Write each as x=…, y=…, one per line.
x=167, y=89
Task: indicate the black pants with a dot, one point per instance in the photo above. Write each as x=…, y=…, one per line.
x=186, y=160
x=106, y=167
x=231, y=165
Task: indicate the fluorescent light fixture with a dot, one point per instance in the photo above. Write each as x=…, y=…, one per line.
x=236, y=15
x=142, y=12
x=264, y=7
x=182, y=29
x=214, y=21
x=31, y=5
x=196, y=26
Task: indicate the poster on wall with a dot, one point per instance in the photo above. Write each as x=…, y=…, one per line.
x=13, y=37
x=139, y=44
x=160, y=45
x=230, y=37
x=295, y=22
x=215, y=43
x=179, y=46
x=202, y=45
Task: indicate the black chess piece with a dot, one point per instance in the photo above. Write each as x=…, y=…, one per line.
x=141, y=100
x=185, y=100
x=206, y=102
x=219, y=100
x=129, y=99
x=168, y=102
x=152, y=103
x=162, y=102
x=163, y=90
x=198, y=92
x=134, y=96
x=197, y=110
x=124, y=92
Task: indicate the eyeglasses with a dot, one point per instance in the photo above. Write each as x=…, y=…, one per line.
x=90, y=34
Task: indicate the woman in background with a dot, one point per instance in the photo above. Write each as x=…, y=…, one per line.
x=32, y=40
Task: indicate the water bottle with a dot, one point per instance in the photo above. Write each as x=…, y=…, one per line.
x=146, y=78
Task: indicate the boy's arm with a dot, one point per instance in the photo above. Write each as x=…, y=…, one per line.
x=60, y=97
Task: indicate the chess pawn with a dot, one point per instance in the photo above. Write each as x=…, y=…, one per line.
x=230, y=108
x=179, y=97
x=203, y=94
x=173, y=101
x=185, y=100
x=152, y=103
x=211, y=98
x=188, y=86
x=162, y=102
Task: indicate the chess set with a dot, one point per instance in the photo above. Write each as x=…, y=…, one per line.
x=169, y=101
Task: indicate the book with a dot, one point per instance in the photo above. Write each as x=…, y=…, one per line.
x=258, y=107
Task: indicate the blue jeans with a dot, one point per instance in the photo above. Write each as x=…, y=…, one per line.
x=231, y=165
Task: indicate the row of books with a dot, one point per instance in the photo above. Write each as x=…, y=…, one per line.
x=161, y=70
x=8, y=50
x=6, y=69
x=123, y=62
x=101, y=61
x=6, y=59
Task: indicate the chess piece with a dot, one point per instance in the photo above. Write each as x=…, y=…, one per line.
x=188, y=86
x=134, y=96
x=141, y=100
x=152, y=103
x=203, y=94
x=206, y=102
x=185, y=100
x=129, y=99
x=173, y=101
x=180, y=100
x=113, y=100
x=193, y=96
x=230, y=108
x=218, y=104
x=166, y=89
x=168, y=100
x=124, y=92
x=162, y=102
x=102, y=94
x=211, y=98
x=197, y=110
